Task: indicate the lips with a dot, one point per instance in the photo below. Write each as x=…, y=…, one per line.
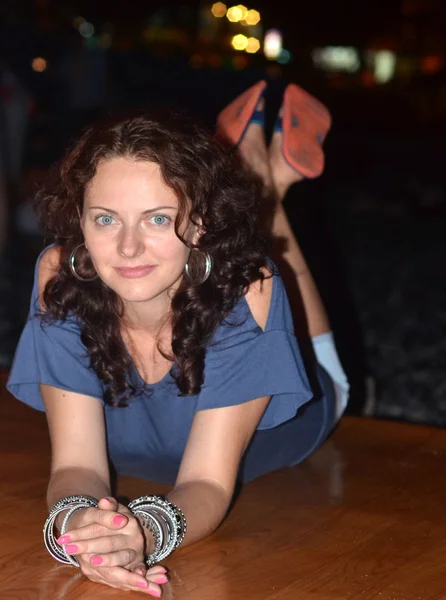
x=134, y=272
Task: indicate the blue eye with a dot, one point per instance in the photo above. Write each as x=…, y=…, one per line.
x=160, y=220
x=104, y=220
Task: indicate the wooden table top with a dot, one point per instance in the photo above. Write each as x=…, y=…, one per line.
x=363, y=519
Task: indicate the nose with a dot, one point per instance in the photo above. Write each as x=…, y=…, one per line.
x=131, y=243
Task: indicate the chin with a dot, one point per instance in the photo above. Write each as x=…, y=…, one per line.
x=137, y=295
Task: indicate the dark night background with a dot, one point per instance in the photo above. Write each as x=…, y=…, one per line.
x=372, y=227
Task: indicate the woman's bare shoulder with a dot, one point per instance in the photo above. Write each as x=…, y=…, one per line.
x=48, y=266
x=259, y=296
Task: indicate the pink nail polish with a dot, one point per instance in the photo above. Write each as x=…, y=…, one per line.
x=142, y=584
x=160, y=580
x=97, y=560
x=70, y=548
x=63, y=539
x=163, y=570
x=118, y=520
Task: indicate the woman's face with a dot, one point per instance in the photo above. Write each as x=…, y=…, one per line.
x=128, y=224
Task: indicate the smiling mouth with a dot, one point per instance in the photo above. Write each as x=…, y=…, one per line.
x=133, y=272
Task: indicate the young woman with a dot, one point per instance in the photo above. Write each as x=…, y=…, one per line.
x=159, y=337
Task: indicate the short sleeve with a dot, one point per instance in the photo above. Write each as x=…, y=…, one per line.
x=53, y=354
x=257, y=364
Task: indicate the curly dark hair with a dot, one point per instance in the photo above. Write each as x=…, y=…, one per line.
x=212, y=189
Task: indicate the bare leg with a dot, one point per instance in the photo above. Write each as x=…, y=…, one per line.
x=277, y=176
x=310, y=317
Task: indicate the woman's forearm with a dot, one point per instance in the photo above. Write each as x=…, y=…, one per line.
x=204, y=504
x=74, y=480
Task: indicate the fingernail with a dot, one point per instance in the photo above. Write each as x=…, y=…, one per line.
x=160, y=580
x=153, y=593
x=142, y=584
x=163, y=570
x=119, y=520
x=71, y=548
x=140, y=571
x=63, y=539
x=97, y=560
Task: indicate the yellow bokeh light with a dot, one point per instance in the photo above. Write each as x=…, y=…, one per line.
x=252, y=17
x=218, y=9
x=240, y=41
x=253, y=45
x=39, y=64
x=243, y=11
x=234, y=14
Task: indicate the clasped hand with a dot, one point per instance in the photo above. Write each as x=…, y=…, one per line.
x=108, y=542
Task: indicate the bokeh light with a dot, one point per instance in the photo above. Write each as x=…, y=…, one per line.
x=39, y=64
x=252, y=17
x=235, y=14
x=105, y=40
x=253, y=45
x=337, y=58
x=239, y=41
x=86, y=29
x=77, y=22
x=272, y=45
x=284, y=57
x=219, y=9
x=385, y=66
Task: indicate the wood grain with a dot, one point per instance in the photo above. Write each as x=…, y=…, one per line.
x=363, y=518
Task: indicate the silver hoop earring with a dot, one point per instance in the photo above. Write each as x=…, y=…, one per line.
x=207, y=270
x=73, y=269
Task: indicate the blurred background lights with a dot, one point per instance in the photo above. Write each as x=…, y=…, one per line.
x=77, y=22
x=39, y=64
x=243, y=11
x=284, y=57
x=240, y=42
x=252, y=17
x=253, y=45
x=236, y=13
x=385, y=66
x=272, y=45
x=105, y=40
x=432, y=64
x=219, y=9
x=337, y=58
x=86, y=29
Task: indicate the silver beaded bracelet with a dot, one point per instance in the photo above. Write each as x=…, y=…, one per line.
x=169, y=519
x=70, y=504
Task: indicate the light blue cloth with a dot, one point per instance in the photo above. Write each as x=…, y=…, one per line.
x=148, y=437
x=327, y=356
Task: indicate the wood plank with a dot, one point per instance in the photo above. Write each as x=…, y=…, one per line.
x=362, y=518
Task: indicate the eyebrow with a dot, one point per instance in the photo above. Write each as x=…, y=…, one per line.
x=146, y=212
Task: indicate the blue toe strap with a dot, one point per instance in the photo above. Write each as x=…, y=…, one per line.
x=258, y=117
x=278, y=125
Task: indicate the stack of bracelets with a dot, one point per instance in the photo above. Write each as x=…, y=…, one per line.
x=165, y=521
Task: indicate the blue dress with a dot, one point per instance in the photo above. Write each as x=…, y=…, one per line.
x=147, y=438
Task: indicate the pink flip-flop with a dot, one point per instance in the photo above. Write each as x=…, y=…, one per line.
x=305, y=124
x=233, y=120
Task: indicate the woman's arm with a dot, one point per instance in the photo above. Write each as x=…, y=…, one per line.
x=79, y=458
x=217, y=441
x=207, y=476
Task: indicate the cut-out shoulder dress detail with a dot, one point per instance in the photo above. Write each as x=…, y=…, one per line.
x=244, y=361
